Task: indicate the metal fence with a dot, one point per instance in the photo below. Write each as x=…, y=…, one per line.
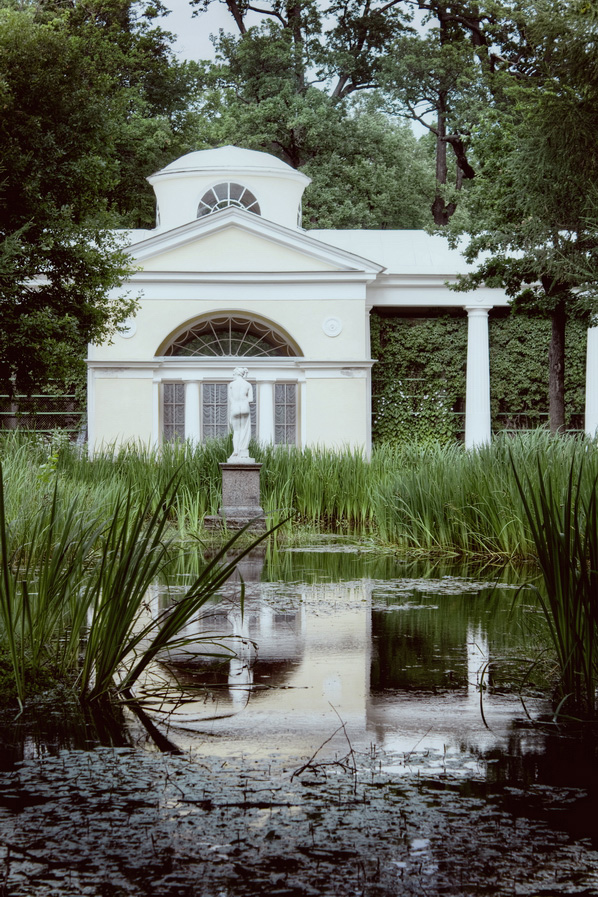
x=46, y=413
x=43, y=414
x=502, y=422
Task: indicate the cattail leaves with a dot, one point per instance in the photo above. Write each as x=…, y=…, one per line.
x=73, y=593
x=564, y=527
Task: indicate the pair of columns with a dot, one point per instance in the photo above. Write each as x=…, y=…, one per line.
x=265, y=411
x=477, y=395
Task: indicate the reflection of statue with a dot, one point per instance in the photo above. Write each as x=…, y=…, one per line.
x=240, y=394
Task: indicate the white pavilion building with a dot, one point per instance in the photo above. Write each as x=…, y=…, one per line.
x=228, y=276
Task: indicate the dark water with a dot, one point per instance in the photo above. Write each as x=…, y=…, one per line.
x=429, y=661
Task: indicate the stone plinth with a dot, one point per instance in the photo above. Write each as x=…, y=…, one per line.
x=241, y=497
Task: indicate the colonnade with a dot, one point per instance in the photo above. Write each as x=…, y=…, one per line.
x=478, y=429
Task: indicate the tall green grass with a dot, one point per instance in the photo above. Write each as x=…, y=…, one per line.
x=563, y=518
x=425, y=498
x=82, y=538
x=73, y=587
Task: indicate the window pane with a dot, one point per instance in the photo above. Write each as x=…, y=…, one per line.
x=173, y=411
x=215, y=410
x=285, y=413
x=227, y=335
x=223, y=195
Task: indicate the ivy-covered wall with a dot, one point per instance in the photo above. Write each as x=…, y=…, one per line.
x=418, y=383
x=519, y=372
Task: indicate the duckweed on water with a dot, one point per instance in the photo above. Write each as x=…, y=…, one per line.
x=117, y=822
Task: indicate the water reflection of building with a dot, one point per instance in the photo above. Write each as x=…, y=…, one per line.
x=397, y=666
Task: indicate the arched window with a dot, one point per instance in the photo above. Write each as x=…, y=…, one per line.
x=223, y=195
x=231, y=336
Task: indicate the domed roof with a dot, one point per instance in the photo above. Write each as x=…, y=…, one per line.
x=201, y=182
x=231, y=159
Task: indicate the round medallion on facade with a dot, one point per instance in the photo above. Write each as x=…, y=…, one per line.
x=332, y=326
x=127, y=329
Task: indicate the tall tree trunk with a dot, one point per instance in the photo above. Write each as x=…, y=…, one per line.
x=440, y=211
x=556, y=366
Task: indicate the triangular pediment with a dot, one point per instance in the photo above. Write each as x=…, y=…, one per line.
x=237, y=241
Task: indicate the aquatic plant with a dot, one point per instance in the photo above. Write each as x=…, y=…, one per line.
x=73, y=592
x=564, y=527
x=416, y=497
x=123, y=637
x=444, y=498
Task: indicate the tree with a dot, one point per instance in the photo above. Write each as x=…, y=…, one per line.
x=153, y=93
x=340, y=43
x=93, y=102
x=435, y=80
x=444, y=76
x=346, y=48
x=368, y=170
x=533, y=206
x=58, y=260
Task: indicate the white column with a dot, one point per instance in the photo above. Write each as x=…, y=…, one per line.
x=302, y=412
x=592, y=382
x=477, y=394
x=91, y=412
x=192, y=426
x=368, y=401
x=265, y=410
x=156, y=413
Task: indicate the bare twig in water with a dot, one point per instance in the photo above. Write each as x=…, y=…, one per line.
x=347, y=763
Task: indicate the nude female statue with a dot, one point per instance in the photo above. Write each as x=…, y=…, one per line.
x=240, y=394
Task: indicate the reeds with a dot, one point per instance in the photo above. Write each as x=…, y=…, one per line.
x=563, y=519
x=423, y=498
x=82, y=539
x=73, y=588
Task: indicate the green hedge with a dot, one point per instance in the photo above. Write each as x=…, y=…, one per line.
x=418, y=383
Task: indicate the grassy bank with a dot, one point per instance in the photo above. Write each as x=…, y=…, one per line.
x=429, y=498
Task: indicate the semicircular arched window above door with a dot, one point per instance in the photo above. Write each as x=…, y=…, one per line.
x=227, y=194
x=231, y=336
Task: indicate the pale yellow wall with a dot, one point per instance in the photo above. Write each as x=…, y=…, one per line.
x=122, y=410
x=234, y=250
x=336, y=412
x=302, y=319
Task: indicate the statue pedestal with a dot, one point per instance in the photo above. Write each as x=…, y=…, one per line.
x=240, y=498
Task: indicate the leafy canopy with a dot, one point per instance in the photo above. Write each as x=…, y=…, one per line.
x=91, y=102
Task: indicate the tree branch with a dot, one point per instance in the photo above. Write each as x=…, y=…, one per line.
x=233, y=8
x=269, y=12
x=422, y=121
x=460, y=153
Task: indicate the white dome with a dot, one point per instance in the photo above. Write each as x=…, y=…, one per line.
x=229, y=158
x=182, y=185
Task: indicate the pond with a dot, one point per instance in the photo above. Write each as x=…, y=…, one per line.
x=375, y=732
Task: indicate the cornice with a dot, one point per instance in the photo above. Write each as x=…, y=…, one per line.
x=298, y=240
x=247, y=277
x=226, y=363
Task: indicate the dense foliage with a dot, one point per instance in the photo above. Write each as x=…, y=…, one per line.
x=367, y=170
x=86, y=92
x=532, y=205
x=418, y=382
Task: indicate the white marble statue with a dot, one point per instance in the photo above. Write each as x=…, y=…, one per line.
x=240, y=394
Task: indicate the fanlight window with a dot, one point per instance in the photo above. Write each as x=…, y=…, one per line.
x=224, y=195
x=231, y=336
